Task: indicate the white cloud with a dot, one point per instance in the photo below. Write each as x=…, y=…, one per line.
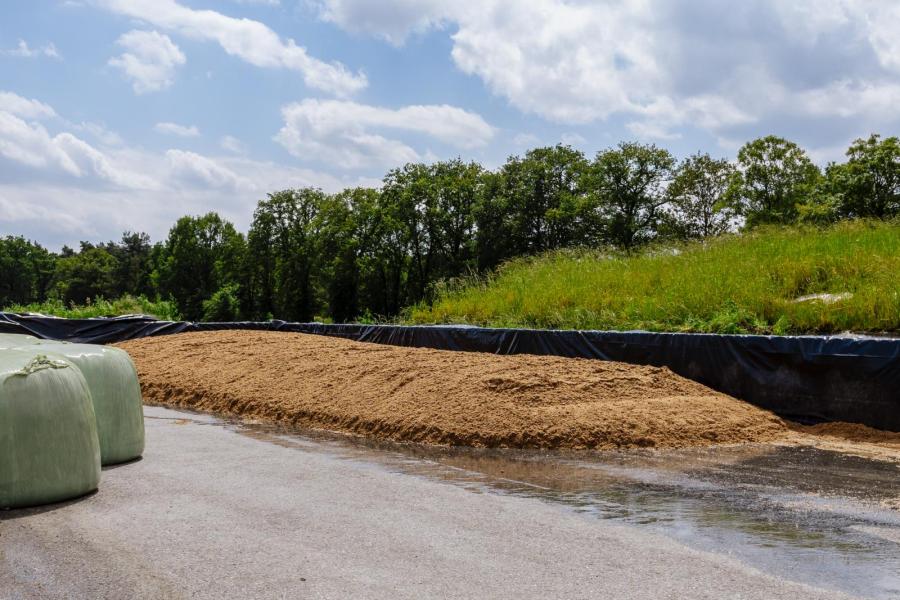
x=572, y=139
x=176, y=129
x=526, y=140
x=232, y=144
x=61, y=189
x=150, y=61
x=100, y=133
x=23, y=107
x=31, y=145
x=346, y=132
x=247, y=39
x=659, y=118
x=664, y=66
x=393, y=22
x=198, y=169
x=884, y=23
x=56, y=213
x=649, y=131
x=847, y=99
x=23, y=50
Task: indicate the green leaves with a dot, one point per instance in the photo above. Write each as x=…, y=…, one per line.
x=628, y=186
x=868, y=183
x=698, y=197
x=376, y=252
x=200, y=256
x=774, y=177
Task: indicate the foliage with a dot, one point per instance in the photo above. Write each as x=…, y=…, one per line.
x=697, y=197
x=628, y=184
x=223, y=306
x=134, y=264
x=432, y=206
x=85, y=274
x=868, y=183
x=774, y=177
x=282, y=256
x=750, y=283
x=26, y=270
x=366, y=253
x=201, y=255
x=100, y=307
x=533, y=204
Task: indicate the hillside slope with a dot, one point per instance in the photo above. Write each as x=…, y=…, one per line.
x=780, y=281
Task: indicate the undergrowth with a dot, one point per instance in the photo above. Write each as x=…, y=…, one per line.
x=101, y=307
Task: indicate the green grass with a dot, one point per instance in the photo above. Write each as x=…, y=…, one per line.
x=735, y=284
x=100, y=307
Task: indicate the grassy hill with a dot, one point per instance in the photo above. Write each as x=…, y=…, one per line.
x=759, y=282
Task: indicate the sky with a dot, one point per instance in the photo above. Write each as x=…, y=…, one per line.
x=127, y=114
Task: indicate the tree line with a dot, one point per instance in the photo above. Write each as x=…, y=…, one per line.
x=369, y=253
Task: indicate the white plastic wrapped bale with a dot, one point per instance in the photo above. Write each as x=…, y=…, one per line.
x=49, y=450
x=14, y=340
x=116, y=394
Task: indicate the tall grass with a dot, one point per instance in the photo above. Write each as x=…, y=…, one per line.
x=735, y=284
x=100, y=307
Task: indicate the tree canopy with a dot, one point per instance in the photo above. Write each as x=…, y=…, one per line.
x=370, y=253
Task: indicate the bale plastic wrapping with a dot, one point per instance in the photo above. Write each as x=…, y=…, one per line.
x=49, y=450
x=15, y=340
x=116, y=393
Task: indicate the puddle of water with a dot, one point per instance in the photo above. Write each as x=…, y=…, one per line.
x=803, y=514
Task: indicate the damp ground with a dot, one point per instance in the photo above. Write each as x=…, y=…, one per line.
x=222, y=509
x=801, y=513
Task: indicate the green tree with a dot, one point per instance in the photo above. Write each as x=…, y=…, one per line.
x=535, y=203
x=200, y=256
x=775, y=176
x=26, y=271
x=698, y=196
x=432, y=207
x=134, y=265
x=628, y=186
x=88, y=274
x=337, y=246
x=381, y=253
x=868, y=184
x=283, y=259
x=258, y=297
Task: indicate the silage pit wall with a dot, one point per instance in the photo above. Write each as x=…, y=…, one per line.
x=804, y=378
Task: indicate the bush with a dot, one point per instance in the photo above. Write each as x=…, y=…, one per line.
x=100, y=307
x=223, y=305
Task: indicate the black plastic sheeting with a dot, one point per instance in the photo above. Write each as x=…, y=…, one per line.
x=806, y=378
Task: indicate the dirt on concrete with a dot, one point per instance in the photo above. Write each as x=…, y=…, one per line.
x=441, y=397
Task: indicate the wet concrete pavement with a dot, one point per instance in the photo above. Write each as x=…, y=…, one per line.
x=229, y=510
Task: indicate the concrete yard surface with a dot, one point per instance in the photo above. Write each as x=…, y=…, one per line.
x=215, y=512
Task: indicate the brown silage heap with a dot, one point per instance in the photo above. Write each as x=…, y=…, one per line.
x=441, y=397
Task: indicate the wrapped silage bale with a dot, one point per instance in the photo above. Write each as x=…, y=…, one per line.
x=14, y=340
x=116, y=394
x=49, y=450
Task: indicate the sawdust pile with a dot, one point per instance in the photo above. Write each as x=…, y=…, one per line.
x=441, y=397
x=848, y=438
